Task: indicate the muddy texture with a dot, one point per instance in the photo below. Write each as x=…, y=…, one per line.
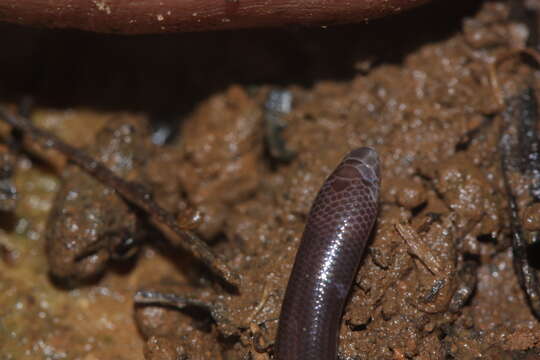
x=89, y=223
x=221, y=150
x=438, y=280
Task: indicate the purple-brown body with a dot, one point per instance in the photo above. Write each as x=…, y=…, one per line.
x=330, y=251
x=169, y=16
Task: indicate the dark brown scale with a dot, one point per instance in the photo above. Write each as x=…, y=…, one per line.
x=330, y=251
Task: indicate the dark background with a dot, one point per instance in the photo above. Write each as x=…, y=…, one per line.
x=166, y=75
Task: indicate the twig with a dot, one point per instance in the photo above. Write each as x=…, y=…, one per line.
x=217, y=310
x=526, y=274
x=134, y=193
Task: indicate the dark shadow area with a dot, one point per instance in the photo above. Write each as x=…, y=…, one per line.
x=165, y=75
x=8, y=221
x=533, y=255
x=486, y=239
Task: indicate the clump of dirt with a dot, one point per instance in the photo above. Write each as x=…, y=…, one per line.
x=438, y=280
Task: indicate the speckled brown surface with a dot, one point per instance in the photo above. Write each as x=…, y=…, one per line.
x=169, y=16
x=433, y=115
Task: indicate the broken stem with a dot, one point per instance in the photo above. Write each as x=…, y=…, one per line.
x=134, y=193
x=526, y=274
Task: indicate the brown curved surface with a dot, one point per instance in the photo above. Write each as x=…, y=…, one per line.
x=165, y=16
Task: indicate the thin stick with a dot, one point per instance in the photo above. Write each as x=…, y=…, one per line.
x=134, y=193
x=526, y=274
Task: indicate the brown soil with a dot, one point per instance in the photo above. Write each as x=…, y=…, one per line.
x=433, y=91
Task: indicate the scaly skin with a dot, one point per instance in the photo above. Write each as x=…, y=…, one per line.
x=330, y=251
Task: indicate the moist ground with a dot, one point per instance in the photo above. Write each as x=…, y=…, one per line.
x=429, y=90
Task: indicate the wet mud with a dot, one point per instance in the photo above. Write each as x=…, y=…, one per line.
x=449, y=272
